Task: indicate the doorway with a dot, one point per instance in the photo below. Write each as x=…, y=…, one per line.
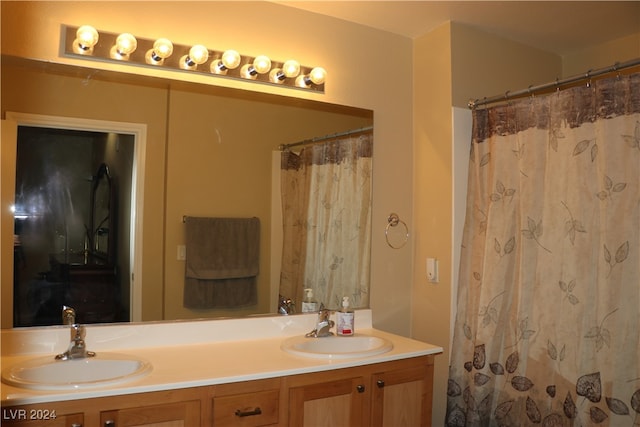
x=60, y=255
x=77, y=197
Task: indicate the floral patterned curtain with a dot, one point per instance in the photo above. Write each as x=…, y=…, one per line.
x=326, y=203
x=548, y=313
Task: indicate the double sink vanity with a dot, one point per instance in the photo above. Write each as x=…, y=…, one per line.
x=256, y=371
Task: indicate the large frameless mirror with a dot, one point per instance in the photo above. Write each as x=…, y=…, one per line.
x=209, y=152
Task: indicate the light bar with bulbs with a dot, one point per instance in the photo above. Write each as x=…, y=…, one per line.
x=125, y=48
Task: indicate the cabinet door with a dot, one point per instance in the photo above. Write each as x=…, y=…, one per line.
x=179, y=414
x=402, y=397
x=336, y=403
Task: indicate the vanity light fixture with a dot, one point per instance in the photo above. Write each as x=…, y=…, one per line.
x=88, y=43
x=126, y=44
x=161, y=50
x=230, y=61
x=260, y=65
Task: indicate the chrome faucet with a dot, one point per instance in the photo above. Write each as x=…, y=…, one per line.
x=68, y=315
x=286, y=306
x=324, y=324
x=77, y=347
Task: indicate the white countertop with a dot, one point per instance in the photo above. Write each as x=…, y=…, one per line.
x=193, y=353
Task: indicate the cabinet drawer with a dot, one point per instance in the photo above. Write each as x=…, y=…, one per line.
x=246, y=410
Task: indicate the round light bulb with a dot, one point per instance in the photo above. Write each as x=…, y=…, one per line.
x=87, y=37
x=318, y=75
x=163, y=48
x=231, y=59
x=291, y=68
x=126, y=43
x=262, y=64
x=198, y=54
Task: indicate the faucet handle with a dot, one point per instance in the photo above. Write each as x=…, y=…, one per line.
x=323, y=311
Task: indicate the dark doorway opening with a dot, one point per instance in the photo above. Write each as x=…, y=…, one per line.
x=65, y=178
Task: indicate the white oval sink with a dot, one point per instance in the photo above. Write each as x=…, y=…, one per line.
x=336, y=347
x=47, y=373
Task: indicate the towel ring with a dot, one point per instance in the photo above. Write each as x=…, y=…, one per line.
x=392, y=221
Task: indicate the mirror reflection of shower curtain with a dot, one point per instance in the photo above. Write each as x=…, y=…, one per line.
x=326, y=207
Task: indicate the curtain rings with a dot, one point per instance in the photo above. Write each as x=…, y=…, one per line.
x=392, y=221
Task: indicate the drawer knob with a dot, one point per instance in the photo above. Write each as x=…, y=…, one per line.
x=248, y=413
x=360, y=388
x=380, y=383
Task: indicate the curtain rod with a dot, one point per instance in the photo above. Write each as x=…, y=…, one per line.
x=557, y=83
x=323, y=138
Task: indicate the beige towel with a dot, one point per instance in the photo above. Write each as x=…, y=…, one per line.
x=222, y=262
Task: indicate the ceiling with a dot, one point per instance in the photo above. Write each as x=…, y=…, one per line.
x=560, y=27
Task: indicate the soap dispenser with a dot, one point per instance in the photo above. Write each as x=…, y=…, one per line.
x=345, y=319
x=309, y=305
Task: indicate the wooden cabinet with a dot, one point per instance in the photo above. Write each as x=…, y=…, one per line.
x=180, y=414
x=173, y=408
x=327, y=399
x=390, y=394
x=89, y=285
x=163, y=408
x=402, y=396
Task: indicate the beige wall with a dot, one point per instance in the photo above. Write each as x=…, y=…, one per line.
x=347, y=51
x=601, y=55
x=485, y=65
x=432, y=195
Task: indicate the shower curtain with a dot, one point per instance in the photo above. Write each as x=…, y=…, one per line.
x=326, y=205
x=548, y=312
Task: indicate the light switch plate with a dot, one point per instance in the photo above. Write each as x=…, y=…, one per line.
x=182, y=253
x=432, y=270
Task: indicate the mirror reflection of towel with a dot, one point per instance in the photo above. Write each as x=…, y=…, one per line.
x=222, y=262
